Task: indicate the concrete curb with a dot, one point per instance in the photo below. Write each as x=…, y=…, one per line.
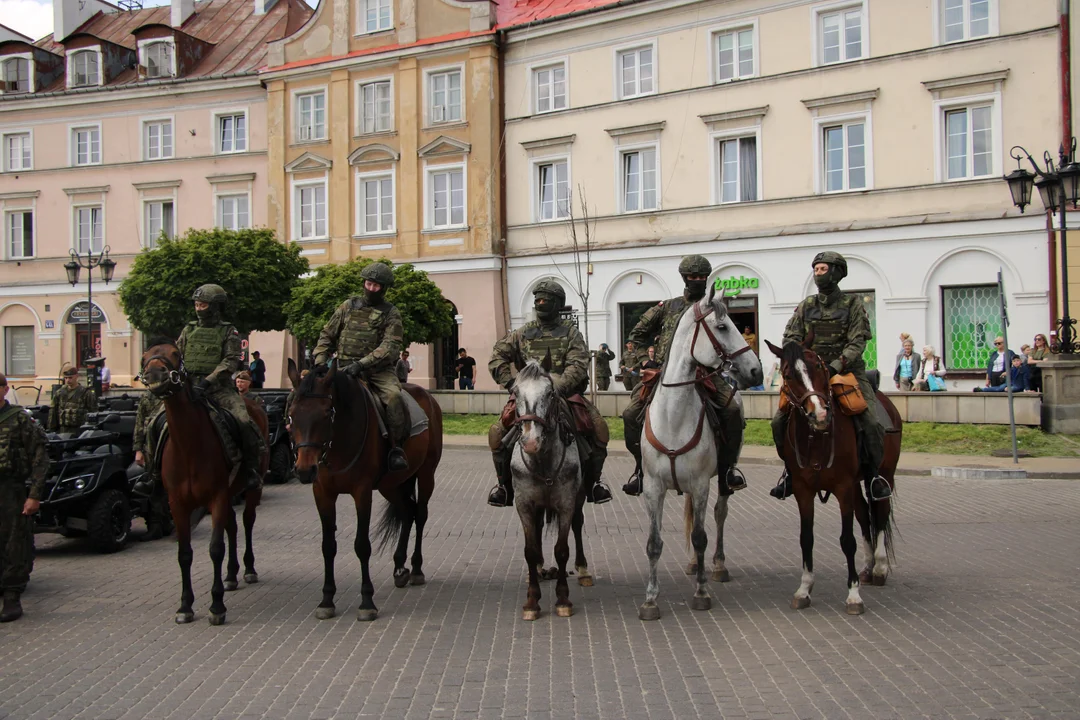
x=973, y=473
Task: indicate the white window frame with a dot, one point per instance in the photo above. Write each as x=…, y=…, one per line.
x=297, y=187
x=5, y=165
x=31, y=72
x=715, y=140
x=818, y=47
x=361, y=17
x=620, y=197
x=71, y=59
x=820, y=123
x=361, y=206
x=941, y=158
x=617, y=67
x=429, y=199
x=360, y=85
x=537, y=68
x=8, y=254
x=75, y=208
x=144, y=46
x=535, y=207
x=939, y=22
x=219, y=216
x=145, y=124
x=297, y=96
x=714, y=34
x=73, y=145
x=217, y=116
x=149, y=240
x=429, y=106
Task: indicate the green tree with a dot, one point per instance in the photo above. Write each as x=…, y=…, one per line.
x=256, y=270
x=425, y=313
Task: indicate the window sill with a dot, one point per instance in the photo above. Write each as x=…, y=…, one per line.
x=638, y=95
x=376, y=134
x=376, y=236
x=81, y=165
x=442, y=230
x=838, y=62
x=454, y=125
x=230, y=152
x=976, y=178
x=375, y=33
x=303, y=143
x=552, y=221
x=307, y=241
x=12, y=171
x=728, y=81
x=643, y=211
x=854, y=191
x=552, y=111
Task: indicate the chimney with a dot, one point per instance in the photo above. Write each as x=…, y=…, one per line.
x=69, y=15
x=263, y=6
x=181, y=11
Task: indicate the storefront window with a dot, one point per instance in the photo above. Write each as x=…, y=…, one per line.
x=19, y=351
x=629, y=314
x=868, y=298
x=971, y=318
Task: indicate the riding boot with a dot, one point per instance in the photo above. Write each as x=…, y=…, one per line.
x=254, y=454
x=595, y=490
x=502, y=495
x=728, y=446
x=633, y=486
x=398, y=421
x=12, y=607
x=783, y=487
x=144, y=486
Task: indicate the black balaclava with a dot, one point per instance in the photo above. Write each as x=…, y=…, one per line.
x=827, y=283
x=374, y=298
x=210, y=315
x=695, y=289
x=547, y=312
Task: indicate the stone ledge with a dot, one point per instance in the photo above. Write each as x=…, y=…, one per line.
x=978, y=473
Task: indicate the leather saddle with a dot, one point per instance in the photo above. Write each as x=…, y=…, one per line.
x=227, y=427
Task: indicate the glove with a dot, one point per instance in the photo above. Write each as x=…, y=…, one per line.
x=354, y=370
x=836, y=367
x=203, y=386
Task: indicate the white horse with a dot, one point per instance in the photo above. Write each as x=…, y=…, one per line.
x=705, y=342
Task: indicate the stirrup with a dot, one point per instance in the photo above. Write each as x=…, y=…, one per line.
x=598, y=493
x=633, y=485
x=499, y=497
x=878, y=488
x=735, y=480
x=783, y=487
x=396, y=461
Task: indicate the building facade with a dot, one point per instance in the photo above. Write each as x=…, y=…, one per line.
x=120, y=127
x=758, y=133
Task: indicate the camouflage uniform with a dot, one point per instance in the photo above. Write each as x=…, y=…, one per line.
x=570, y=375
x=211, y=350
x=23, y=460
x=70, y=407
x=367, y=333
x=149, y=405
x=629, y=361
x=657, y=328
x=839, y=328
x=603, y=368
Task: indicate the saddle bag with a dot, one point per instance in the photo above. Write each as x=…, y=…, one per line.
x=583, y=424
x=509, y=413
x=785, y=401
x=649, y=378
x=848, y=396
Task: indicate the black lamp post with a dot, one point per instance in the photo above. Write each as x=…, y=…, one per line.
x=75, y=264
x=1058, y=188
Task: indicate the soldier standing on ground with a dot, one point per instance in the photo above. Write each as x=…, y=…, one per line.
x=604, y=356
x=22, y=458
x=71, y=404
x=628, y=366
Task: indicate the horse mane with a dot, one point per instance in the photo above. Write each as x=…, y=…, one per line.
x=533, y=371
x=343, y=389
x=793, y=353
x=160, y=340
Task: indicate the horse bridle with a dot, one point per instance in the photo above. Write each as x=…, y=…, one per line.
x=324, y=448
x=547, y=424
x=175, y=378
x=800, y=403
x=725, y=357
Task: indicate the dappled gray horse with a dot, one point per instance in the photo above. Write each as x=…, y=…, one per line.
x=680, y=455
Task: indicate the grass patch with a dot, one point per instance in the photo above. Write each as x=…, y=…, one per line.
x=944, y=438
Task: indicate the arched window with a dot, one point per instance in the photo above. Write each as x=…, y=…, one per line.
x=15, y=75
x=84, y=68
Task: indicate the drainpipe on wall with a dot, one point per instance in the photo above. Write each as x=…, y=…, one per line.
x=500, y=47
x=1066, y=141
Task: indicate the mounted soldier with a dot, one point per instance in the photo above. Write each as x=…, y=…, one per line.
x=71, y=404
x=367, y=334
x=657, y=328
x=211, y=351
x=835, y=326
x=545, y=336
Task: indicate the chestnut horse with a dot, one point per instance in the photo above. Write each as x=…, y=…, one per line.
x=196, y=474
x=821, y=454
x=339, y=447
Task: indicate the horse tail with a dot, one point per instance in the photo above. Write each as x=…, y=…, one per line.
x=688, y=520
x=394, y=517
x=551, y=519
x=888, y=521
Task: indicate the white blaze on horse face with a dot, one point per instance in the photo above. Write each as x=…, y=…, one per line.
x=530, y=395
x=819, y=412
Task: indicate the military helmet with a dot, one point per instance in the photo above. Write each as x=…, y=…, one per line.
x=695, y=265
x=210, y=294
x=550, y=287
x=380, y=273
x=835, y=259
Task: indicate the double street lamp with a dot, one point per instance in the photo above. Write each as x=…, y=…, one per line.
x=74, y=265
x=1058, y=187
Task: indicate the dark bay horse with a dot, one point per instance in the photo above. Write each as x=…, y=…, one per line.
x=340, y=448
x=821, y=454
x=196, y=474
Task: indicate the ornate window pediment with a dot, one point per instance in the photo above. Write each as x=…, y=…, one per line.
x=444, y=145
x=307, y=162
x=373, y=153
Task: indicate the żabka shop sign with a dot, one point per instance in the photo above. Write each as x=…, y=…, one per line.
x=732, y=286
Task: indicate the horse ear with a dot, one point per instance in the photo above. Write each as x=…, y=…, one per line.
x=333, y=371
x=546, y=362
x=294, y=374
x=778, y=352
x=712, y=292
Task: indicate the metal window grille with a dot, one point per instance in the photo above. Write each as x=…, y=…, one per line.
x=971, y=317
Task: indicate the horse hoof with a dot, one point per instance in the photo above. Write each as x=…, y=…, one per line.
x=865, y=578
x=856, y=608
x=691, y=568
x=325, y=613
x=701, y=603
x=366, y=614
x=217, y=619
x=401, y=578
x=251, y=578
x=417, y=578
x=720, y=576
x=879, y=580
x=585, y=580
x=530, y=614
x=183, y=618
x=564, y=610
x=231, y=585
x=649, y=611
x=800, y=603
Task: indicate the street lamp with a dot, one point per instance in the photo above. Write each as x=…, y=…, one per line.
x=72, y=268
x=1058, y=188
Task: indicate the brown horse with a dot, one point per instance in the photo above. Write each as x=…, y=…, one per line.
x=196, y=474
x=821, y=453
x=339, y=447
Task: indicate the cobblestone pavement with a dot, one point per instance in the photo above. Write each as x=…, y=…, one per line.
x=979, y=619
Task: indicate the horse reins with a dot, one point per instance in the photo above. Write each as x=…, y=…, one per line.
x=326, y=447
x=175, y=378
x=546, y=424
x=830, y=419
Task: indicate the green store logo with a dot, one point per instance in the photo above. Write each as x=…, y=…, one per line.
x=732, y=286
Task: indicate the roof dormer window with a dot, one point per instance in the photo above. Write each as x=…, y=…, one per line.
x=159, y=59
x=84, y=69
x=15, y=75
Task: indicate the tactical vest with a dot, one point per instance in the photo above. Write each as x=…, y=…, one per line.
x=14, y=458
x=537, y=341
x=829, y=327
x=71, y=412
x=673, y=312
x=361, y=333
x=203, y=348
